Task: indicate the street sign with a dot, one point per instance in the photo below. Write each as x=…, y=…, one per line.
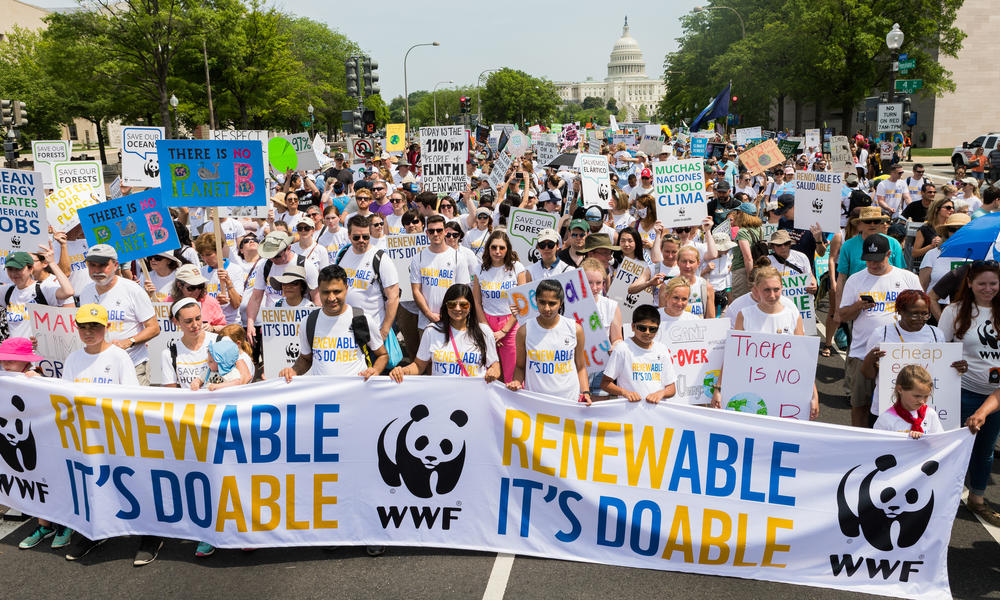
x=909, y=85
x=890, y=116
x=906, y=65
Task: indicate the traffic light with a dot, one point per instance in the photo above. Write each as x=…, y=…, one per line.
x=356, y=121
x=20, y=114
x=10, y=150
x=351, y=69
x=6, y=106
x=371, y=76
x=368, y=120
x=463, y=104
x=906, y=109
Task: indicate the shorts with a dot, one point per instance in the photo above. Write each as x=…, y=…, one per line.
x=859, y=387
x=142, y=372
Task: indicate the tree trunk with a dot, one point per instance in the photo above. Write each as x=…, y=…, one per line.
x=798, y=116
x=818, y=114
x=845, y=121
x=244, y=116
x=168, y=126
x=100, y=141
x=781, y=113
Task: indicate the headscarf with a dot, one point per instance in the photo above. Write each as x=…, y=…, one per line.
x=225, y=353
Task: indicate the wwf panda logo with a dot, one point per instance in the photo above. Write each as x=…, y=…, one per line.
x=15, y=241
x=681, y=211
x=292, y=350
x=151, y=167
x=817, y=204
x=426, y=454
x=881, y=502
x=17, y=442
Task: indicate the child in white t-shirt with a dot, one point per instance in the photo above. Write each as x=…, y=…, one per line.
x=910, y=413
x=640, y=367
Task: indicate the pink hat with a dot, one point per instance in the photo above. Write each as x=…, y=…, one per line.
x=18, y=348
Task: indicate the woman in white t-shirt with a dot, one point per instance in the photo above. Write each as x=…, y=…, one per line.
x=25, y=290
x=550, y=350
x=673, y=306
x=453, y=238
x=184, y=361
x=480, y=227
x=972, y=320
x=670, y=245
x=457, y=345
x=294, y=289
x=306, y=246
x=491, y=283
x=160, y=283
x=630, y=243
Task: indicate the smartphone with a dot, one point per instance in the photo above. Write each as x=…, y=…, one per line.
x=868, y=298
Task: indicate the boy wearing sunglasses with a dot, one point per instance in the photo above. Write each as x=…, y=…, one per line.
x=640, y=368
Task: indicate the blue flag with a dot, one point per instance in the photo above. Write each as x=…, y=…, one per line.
x=719, y=107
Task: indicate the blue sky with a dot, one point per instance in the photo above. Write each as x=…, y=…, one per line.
x=560, y=40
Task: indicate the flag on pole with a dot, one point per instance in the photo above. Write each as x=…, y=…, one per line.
x=719, y=107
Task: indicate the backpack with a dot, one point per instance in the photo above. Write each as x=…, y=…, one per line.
x=376, y=263
x=359, y=329
x=299, y=260
x=758, y=247
x=172, y=346
x=39, y=296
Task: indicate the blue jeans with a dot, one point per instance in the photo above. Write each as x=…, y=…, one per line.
x=981, y=461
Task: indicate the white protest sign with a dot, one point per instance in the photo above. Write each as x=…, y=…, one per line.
x=77, y=172
x=140, y=165
x=523, y=226
x=251, y=212
x=841, y=159
x=279, y=328
x=813, y=142
x=627, y=274
x=546, y=148
x=169, y=334
x=632, y=301
x=443, y=154
x=303, y=150
x=652, y=140
x=594, y=146
x=937, y=359
x=769, y=374
x=890, y=116
x=115, y=189
x=818, y=199
x=498, y=174
x=580, y=306
x=595, y=180
x=260, y=135
x=614, y=123
x=745, y=134
x=623, y=138
x=679, y=190
x=23, y=222
x=62, y=204
x=55, y=334
x=697, y=348
x=793, y=287
x=46, y=153
x=885, y=150
x=518, y=144
x=401, y=249
x=319, y=149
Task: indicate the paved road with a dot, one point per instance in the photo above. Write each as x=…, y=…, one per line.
x=418, y=573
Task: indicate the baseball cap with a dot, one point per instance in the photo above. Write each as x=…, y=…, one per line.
x=190, y=275
x=547, y=235
x=338, y=156
x=482, y=210
x=723, y=186
x=274, y=243
x=579, y=224
x=665, y=149
x=789, y=171
x=780, y=237
x=646, y=173
x=101, y=253
x=785, y=201
x=594, y=213
x=876, y=247
x=19, y=260
x=92, y=313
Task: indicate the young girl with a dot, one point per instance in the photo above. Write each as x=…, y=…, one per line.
x=769, y=314
x=499, y=272
x=910, y=413
x=669, y=248
x=224, y=367
x=702, y=301
x=608, y=310
x=550, y=350
x=673, y=302
x=16, y=356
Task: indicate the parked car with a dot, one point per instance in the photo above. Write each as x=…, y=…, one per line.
x=961, y=155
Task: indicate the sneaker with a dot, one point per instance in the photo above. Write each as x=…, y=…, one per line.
x=82, y=547
x=149, y=547
x=40, y=533
x=375, y=550
x=204, y=549
x=62, y=537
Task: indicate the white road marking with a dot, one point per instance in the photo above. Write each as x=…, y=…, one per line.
x=7, y=525
x=497, y=585
x=990, y=529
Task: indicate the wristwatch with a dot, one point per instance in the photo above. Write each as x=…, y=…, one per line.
x=132, y=341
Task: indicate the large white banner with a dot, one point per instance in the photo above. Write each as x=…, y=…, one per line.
x=279, y=328
x=443, y=154
x=818, y=200
x=140, y=165
x=937, y=358
x=331, y=461
x=769, y=374
x=679, y=189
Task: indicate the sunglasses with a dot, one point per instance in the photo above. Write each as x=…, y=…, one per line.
x=459, y=304
x=578, y=235
x=453, y=235
x=365, y=198
x=435, y=231
x=444, y=206
x=498, y=247
x=782, y=244
x=482, y=217
x=379, y=224
x=395, y=200
x=152, y=258
x=919, y=172
x=303, y=228
x=646, y=328
x=546, y=245
x=360, y=236
x=871, y=221
x=990, y=264
x=683, y=229
x=193, y=288
x=947, y=208
x=379, y=189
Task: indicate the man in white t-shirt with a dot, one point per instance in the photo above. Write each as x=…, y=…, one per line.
x=645, y=185
x=869, y=300
x=99, y=361
x=375, y=293
x=433, y=271
x=790, y=262
x=25, y=290
x=892, y=195
x=277, y=252
x=131, y=319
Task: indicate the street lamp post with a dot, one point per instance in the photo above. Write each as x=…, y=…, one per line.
x=479, y=101
x=173, y=104
x=434, y=94
x=406, y=88
x=894, y=40
x=743, y=27
x=311, y=109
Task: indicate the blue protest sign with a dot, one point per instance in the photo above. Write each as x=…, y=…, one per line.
x=212, y=172
x=137, y=225
x=699, y=146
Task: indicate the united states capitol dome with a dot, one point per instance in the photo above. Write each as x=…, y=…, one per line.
x=626, y=58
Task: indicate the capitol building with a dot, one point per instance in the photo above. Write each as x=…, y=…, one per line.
x=626, y=81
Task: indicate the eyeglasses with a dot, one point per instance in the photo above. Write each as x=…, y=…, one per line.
x=646, y=328
x=444, y=206
x=989, y=264
x=453, y=235
x=482, y=217
x=435, y=231
x=918, y=315
x=459, y=304
x=379, y=189
x=578, y=235
x=546, y=245
x=498, y=247
x=683, y=229
x=360, y=236
x=193, y=288
x=395, y=200
x=152, y=258
x=367, y=198
x=921, y=172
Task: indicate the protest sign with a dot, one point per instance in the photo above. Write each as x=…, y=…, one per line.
x=595, y=180
x=699, y=146
x=812, y=140
x=679, y=190
x=137, y=225
x=251, y=212
x=498, y=174
x=788, y=147
x=937, y=358
x=886, y=150
x=443, y=154
x=594, y=146
x=518, y=143
x=55, y=335
x=626, y=274
x=745, y=134
x=818, y=199
x=841, y=159
x=547, y=148
x=697, y=348
x=261, y=135
x=279, y=329
x=614, y=123
x=169, y=334
x=769, y=374
x=402, y=248
x=623, y=138
x=292, y=151
x=329, y=461
x=140, y=165
x=115, y=188
x=580, y=305
x=46, y=153
x=23, y=221
x=212, y=172
x=72, y=173
x=523, y=226
x=395, y=137
x=319, y=150
x=762, y=157
x=62, y=204
x=632, y=301
x=793, y=287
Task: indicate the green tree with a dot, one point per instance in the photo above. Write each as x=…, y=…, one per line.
x=513, y=96
x=23, y=77
x=593, y=102
x=612, y=105
x=643, y=116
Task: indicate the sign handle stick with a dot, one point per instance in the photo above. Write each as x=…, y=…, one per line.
x=218, y=233
x=145, y=269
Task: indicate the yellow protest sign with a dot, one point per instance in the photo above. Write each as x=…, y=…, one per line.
x=762, y=157
x=395, y=137
x=62, y=204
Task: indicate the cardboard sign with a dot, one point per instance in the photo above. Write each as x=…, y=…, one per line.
x=212, y=172
x=812, y=140
x=140, y=165
x=595, y=179
x=788, y=147
x=652, y=140
x=169, y=334
x=546, y=148
x=55, y=334
x=61, y=205
x=697, y=348
x=793, y=287
x=261, y=135
x=523, y=227
x=115, y=188
x=443, y=153
x=679, y=189
x=137, y=225
x=745, y=134
x=818, y=199
x=293, y=151
x=769, y=374
x=279, y=328
x=762, y=157
x=498, y=174
x=72, y=173
x=395, y=137
x=518, y=144
x=23, y=221
x=579, y=305
x=46, y=153
x=937, y=359
x=402, y=248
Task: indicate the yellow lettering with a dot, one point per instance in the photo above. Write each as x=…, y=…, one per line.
x=681, y=525
x=229, y=491
x=144, y=430
x=709, y=541
x=64, y=420
x=290, y=522
x=741, y=542
x=85, y=424
x=581, y=452
x=770, y=541
x=113, y=425
x=178, y=435
x=259, y=501
x=319, y=500
x=540, y=443
x=647, y=451
x=519, y=441
x=601, y=451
